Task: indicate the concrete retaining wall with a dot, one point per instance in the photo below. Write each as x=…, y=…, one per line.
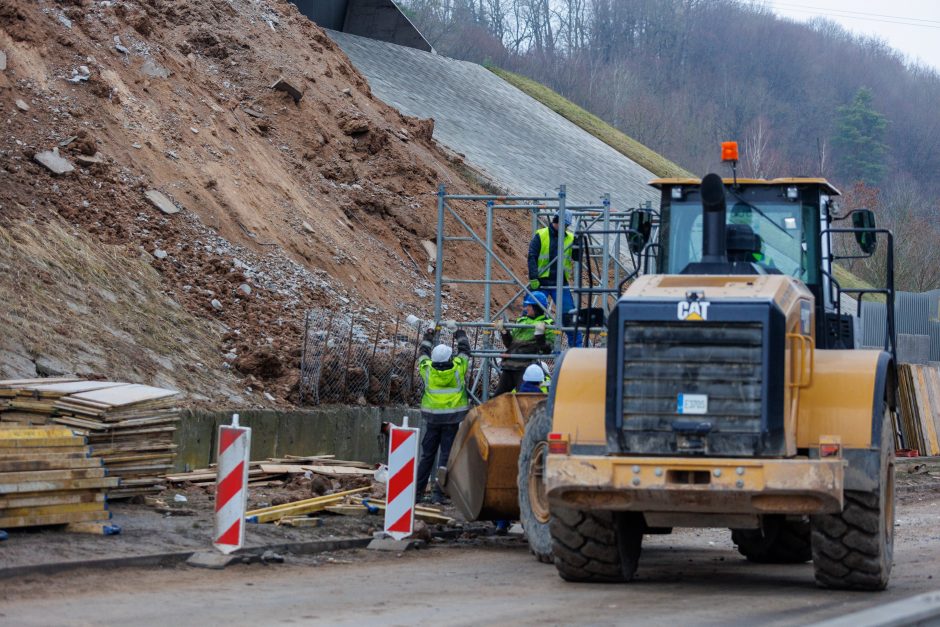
x=518, y=142
x=347, y=432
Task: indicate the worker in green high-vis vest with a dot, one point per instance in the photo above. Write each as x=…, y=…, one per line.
x=543, y=255
x=444, y=405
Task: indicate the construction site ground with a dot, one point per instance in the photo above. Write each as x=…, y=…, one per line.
x=165, y=525
x=697, y=574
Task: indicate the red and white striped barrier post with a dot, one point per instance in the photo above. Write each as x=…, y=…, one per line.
x=231, y=486
x=402, y=475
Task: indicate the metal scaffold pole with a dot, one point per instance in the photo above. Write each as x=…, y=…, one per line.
x=596, y=228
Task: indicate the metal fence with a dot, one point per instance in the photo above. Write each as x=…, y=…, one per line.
x=915, y=314
x=350, y=358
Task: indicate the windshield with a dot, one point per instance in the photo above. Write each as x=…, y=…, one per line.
x=778, y=224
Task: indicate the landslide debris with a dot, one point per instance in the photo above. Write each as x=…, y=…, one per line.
x=316, y=202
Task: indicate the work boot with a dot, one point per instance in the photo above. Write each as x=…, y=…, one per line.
x=502, y=527
x=439, y=499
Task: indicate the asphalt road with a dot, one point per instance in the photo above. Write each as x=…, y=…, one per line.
x=688, y=578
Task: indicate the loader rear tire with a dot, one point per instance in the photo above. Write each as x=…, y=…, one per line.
x=533, y=504
x=853, y=550
x=596, y=546
x=780, y=540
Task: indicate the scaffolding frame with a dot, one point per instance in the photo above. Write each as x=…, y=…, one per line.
x=598, y=229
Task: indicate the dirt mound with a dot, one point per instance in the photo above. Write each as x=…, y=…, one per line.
x=283, y=204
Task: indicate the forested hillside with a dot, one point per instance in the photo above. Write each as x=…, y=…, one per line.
x=682, y=75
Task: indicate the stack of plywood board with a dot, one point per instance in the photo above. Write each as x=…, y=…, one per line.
x=919, y=402
x=48, y=477
x=23, y=402
x=130, y=427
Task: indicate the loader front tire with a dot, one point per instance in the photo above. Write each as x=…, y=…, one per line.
x=533, y=504
x=780, y=540
x=853, y=550
x=596, y=546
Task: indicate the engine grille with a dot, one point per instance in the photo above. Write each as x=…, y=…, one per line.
x=662, y=360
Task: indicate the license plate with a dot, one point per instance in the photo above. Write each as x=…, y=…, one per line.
x=692, y=404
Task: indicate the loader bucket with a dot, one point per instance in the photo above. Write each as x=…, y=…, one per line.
x=481, y=471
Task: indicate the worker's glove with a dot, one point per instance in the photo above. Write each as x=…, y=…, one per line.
x=534, y=284
x=460, y=333
x=500, y=326
x=450, y=325
x=429, y=335
x=540, y=328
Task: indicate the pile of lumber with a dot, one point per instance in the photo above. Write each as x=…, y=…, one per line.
x=129, y=426
x=48, y=477
x=274, y=471
x=919, y=401
x=346, y=503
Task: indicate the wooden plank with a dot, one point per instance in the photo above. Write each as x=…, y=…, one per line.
x=64, y=484
x=24, y=465
x=347, y=510
x=300, y=521
x=336, y=471
x=46, y=510
x=17, y=383
x=52, y=475
x=52, y=519
x=296, y=508
x=122, y=395
x=69, y=387
x=276, y=469
x=40, y=499
x=59, y=452
x=421, y=513
x=925, y=413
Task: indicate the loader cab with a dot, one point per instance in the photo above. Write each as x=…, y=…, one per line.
x=772, y=227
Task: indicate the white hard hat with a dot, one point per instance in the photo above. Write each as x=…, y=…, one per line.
x=441, y=353
x=533, y=374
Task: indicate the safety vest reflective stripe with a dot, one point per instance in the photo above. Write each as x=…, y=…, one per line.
x=442, y=400
x=447, y=410
x=545, y=260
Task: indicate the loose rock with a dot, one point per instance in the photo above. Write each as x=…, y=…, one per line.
x=216, y=304
x=244, y=289
x=21, y=105
x=54, y=162
x=90, y=159
x=159, y=254
x=307, y=227
x=282, y=85
x=161, y=202
x=151, y=69
x=3, y=61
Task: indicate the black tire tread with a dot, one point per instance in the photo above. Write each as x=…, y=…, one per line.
x=537, y=533
x=585, y=546
x=848, y=555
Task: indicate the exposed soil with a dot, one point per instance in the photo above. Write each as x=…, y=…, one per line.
x=285, y=205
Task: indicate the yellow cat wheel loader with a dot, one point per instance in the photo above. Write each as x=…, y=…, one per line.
x=730, y=394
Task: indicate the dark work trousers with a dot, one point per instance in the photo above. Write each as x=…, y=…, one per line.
x=435, y=435
x=509, y=380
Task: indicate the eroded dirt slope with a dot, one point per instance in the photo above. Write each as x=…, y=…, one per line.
x=284, y=205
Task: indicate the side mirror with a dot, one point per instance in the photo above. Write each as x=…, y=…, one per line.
x=865, y=219
x=641, y=225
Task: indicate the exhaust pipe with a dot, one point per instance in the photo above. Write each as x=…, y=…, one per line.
x=714, y=207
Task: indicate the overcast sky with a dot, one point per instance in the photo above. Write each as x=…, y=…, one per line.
x=911, y=26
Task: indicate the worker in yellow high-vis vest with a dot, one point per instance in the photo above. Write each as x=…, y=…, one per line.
x=543, y=254
x=444, y=404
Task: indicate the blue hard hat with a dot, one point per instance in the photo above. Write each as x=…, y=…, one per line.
x=567, y=218
x=536, y=298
